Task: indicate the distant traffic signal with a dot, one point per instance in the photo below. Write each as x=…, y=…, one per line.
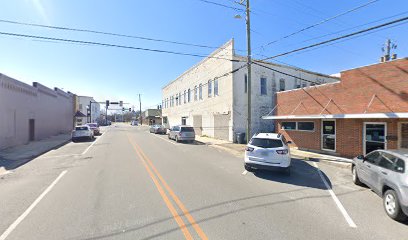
x=130, y=109
x=107, y=103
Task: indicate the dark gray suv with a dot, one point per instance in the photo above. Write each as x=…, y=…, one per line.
x=384, y=171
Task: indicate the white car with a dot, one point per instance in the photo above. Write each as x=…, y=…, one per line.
x=82, y=132
x=267, y=151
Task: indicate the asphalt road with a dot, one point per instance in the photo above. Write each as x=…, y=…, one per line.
x=130, y=184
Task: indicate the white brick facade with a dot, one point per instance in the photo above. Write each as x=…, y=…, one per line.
x=222, y=115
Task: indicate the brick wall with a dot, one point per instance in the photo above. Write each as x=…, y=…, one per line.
x=388, y=81
x=349, y=135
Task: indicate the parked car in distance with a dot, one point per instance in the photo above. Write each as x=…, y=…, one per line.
x=95, y=128
x=384, y=172
x=134, y=123
x=182, y=133
x=82, y=132
x=267, y=151
x=157, y=129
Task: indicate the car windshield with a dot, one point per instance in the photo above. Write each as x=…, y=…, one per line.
x=187, y=129
x=81, y=128
x=266, y=143
x=93, y=125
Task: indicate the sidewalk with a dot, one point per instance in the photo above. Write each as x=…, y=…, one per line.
x=239, y=149
x=13, y=157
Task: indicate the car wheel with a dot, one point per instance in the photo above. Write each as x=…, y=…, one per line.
x=73, y=140
x=356, y=180
x=177, y=140
x=168, y=135
x=248, y=168
x=392, y=206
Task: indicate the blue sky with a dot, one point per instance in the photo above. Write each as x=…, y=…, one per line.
x=119, y=74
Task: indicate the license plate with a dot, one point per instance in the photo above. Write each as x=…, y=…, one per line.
x=264, y=154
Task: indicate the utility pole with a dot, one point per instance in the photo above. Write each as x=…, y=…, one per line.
x=248, y=29
x=140, y=110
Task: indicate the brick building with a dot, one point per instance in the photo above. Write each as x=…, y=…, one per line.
x=366, y=110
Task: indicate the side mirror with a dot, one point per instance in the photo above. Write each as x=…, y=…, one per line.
x=289, y=142
x=361, y=157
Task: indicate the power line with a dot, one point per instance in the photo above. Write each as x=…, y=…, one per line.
x=338, y=38
x=105, y=33
x=222, y=5
x=287, y=74
x=111, y=45
x=319, y=23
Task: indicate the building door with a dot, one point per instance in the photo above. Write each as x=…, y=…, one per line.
x=184, y=121
x=374, y=136
x=329, y=135
x=403, y=135
x=31, y=129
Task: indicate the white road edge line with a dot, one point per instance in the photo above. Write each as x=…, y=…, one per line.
x=244, y=172
x=87, y=149
x=31, y=207
x=163, y=139
x=335, y=199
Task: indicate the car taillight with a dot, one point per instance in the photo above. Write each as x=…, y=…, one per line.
x=179, y=133
x=282, y=151
x=249, y=149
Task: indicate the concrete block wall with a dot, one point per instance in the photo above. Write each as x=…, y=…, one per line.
x=52, y=111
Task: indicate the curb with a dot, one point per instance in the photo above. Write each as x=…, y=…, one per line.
x=340, y=164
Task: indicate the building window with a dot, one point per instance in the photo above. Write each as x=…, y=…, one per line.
x=288, y=125
x=195, y=93
x=184, y=96
x=304, y=85
x=305, y=126
x=177, y=99
x=263, y=86
x=189, y=95
x=282, y=84
x=80, y=107
x=297, y=82
x=215, y=87
x=200, y=91
x=180, y=98
x=209, y=88
x=246, y=83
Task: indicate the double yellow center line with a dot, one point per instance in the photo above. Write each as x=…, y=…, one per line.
x=156, y=176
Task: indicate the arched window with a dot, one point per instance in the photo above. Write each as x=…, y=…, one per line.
x=189, y=95
x=195, y=93
x=200, y=91
x=184, y=96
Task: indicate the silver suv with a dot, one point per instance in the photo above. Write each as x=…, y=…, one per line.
x=182, y=133
x=384, y=172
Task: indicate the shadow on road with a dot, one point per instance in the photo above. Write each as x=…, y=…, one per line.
x=302, y=174
x=17, y=160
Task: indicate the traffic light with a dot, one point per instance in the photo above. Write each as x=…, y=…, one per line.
x=121, y=103
x=107, y=103
x=123, y=109
x=130, y=109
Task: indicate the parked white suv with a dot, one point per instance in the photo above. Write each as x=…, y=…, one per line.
x=267, y=151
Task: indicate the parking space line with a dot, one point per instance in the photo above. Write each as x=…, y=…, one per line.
x=335, y=199
x=244, y=172
x=164, y=139
x=31, y=207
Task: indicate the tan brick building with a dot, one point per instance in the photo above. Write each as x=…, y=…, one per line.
x=366, y=110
